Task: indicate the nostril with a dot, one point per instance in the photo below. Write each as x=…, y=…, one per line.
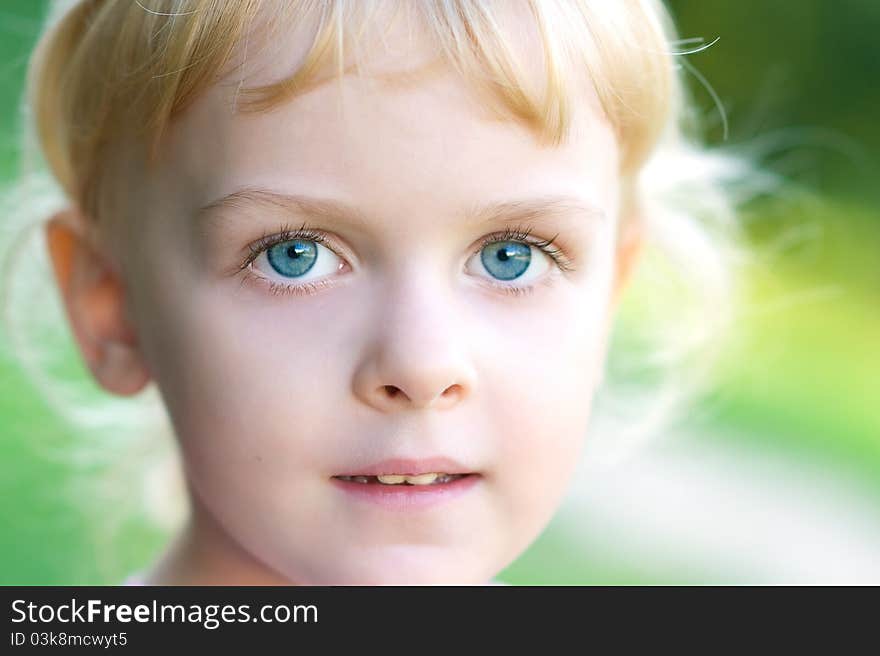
x=392, y=392
x=452, y=389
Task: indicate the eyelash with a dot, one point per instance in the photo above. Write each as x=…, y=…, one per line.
x=288, y=233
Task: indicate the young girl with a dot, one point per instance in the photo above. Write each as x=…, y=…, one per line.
x=370, y=254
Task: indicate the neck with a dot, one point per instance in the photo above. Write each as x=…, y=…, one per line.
x=203, y=553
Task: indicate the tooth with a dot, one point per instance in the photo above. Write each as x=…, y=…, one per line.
x=391, y=479
x=422, y=479
x=361, y=479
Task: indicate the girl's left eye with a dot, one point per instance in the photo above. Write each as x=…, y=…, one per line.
x=297, y=254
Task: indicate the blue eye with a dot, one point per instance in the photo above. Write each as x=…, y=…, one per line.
x=292, y=258
x=506, y=260
x=299, y=259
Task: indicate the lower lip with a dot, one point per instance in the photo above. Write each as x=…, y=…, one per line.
x=408, y=497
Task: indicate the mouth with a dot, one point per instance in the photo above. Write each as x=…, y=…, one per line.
x=429, y=478
x=406, y=484
x=407, y=471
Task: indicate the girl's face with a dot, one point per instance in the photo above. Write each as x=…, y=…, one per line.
x=416, y=349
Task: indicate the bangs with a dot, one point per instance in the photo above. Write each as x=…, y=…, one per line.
x=622, y=51
x=157, y=56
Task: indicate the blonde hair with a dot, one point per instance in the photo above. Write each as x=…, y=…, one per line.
x=107, y=78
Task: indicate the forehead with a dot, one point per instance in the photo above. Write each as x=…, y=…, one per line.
x=378, y=130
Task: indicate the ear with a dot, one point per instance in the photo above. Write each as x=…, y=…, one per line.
x=629, y=247
x=94, y=302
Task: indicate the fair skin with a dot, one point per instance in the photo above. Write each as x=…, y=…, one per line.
x=410, y=352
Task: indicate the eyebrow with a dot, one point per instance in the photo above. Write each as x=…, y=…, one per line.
x=516, y=209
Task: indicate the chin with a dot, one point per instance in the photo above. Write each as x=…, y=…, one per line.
x=410, y=570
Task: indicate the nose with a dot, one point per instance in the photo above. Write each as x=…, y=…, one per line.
x=417, y=358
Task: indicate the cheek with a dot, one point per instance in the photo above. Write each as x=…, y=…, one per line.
x=247, y=380
x=540, y=395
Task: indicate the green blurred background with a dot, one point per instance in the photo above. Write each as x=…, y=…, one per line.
x=777, y=479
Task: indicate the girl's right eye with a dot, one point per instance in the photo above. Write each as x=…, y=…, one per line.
x=292, y=254
x=298, y=257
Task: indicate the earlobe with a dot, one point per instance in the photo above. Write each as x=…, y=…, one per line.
x=121, y=370
x=94, y=301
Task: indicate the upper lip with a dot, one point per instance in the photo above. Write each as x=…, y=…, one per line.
x=408, y=466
